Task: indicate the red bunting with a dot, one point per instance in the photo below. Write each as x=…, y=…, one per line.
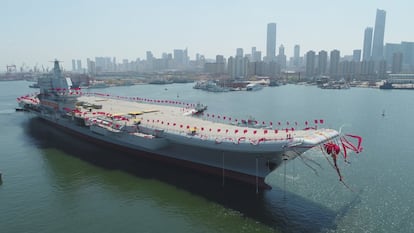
x=236, y=131
x=245, y=131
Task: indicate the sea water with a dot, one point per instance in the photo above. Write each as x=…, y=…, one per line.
x=53, y=182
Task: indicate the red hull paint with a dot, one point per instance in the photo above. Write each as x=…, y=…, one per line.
x=237, y=176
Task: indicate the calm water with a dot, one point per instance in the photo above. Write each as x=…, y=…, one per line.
x=56, y=183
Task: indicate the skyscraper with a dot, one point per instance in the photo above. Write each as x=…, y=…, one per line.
x=356, y=55
x=79, y=63
x=73, y=65
x=378, y=42
x=367, y=44
x=310, y=64
x=281, y=57
x=334, y=63
x=397, y=61
x=296, y=55
x=271, y=42
x=322, y=62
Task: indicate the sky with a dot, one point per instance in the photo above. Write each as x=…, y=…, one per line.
x=34, y=32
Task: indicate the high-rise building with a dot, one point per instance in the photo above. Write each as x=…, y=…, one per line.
x=397, y=61
x=179, y=58
x=271, y=42
x=367, y=44
x=408, y=54
x=281, y=57
x=356, y=55
x=73, y=65
x=310, y=64
x=253, y=54
x=239, y=52
x=389, y=50
x=79, y=63
x=378, y=42
x=296, y=55
x=322, y=62
x=334, y=63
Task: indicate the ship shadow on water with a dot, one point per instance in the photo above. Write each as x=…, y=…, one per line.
x=281, y=210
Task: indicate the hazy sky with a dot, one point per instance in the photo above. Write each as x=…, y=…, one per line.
x=37, y=31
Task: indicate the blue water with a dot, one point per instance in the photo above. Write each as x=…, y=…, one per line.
x=55, y=183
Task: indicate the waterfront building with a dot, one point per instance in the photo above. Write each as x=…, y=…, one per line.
x=356, y=55
x=334, y=63
x=179, y=58
x=217, y=67
x=103, y=64
x=253, y=57
x=322, y=62
x=257, y=56
x=79, y=65
x=310, y=64
x=367, y=44
x=91, y=67
x=397, y=61
x=367, y=69
x=273, y=69
x=389, y=50
x=73, y=65
x=271, y=42
x=382, y=69
x=408, y=54
x=296, y=56
x=239, y=52
x=281, y=57
x=378, y=41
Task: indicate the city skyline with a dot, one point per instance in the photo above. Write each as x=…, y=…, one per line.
x=41, y=31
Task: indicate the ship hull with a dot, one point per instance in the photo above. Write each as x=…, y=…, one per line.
x=216, y=163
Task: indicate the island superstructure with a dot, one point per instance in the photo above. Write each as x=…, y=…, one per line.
x=169, y=132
